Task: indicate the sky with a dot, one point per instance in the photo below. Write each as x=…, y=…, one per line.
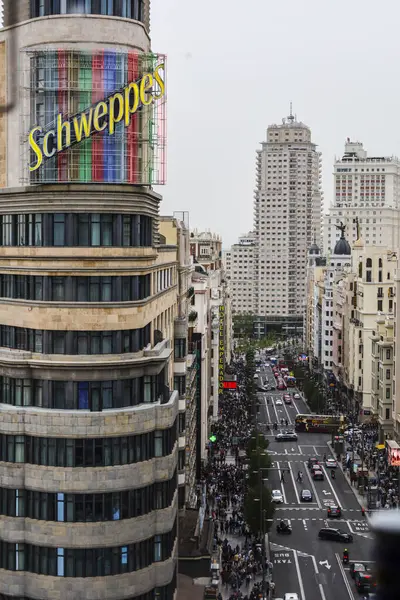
x=234, y=66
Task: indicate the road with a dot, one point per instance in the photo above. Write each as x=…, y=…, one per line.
x=302, y=563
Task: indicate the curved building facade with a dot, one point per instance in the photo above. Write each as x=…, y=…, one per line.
x=88, y=298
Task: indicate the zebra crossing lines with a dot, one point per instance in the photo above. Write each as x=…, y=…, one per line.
x=288, y=507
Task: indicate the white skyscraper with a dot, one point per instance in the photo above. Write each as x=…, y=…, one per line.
x=240, y=263
x=367, y=188
x=287, y=218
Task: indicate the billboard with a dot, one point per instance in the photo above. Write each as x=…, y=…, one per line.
x=393, y=453
x=96, y=117
x=221, y=360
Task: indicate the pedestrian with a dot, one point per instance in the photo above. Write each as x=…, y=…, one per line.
x=283, y=477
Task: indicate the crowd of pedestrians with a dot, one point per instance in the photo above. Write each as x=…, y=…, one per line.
x=241, y=553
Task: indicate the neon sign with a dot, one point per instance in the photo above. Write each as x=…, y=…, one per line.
x=117, y=108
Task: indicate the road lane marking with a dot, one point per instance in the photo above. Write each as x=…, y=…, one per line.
x=281, y=484
x=313, y=486
x=346, y=581
x=294, y=484
x=316, y=451
x=267, y=408
x=305, y=524
x=297, y=408
x=330, y=484
x=288, y=416
x=321, y=589
x=296, y=562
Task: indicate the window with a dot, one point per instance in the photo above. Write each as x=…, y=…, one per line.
x=179, y=348
x=380, y=304
x=87, y=452
x=387, y=373
x=388, y=393
x=62, y=229
x=180, y=384
x=59, y=229
x=79, y=342
x=74, y=562
x=368, y=276
x=368, y=263
x=387, y=413
x=388, y=354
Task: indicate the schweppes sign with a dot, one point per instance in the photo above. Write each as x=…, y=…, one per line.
x=117, y=108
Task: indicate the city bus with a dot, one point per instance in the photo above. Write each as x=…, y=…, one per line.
x=320, y=423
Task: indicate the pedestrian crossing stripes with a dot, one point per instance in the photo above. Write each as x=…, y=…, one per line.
x=286, y=507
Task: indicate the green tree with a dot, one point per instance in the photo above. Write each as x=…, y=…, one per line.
x=258, y=522
x=256, y=442
x=243, y=325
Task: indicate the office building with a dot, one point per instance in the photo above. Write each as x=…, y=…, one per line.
x=239, y=264
x=287, y=218
x=89, y=414
x=366, y=188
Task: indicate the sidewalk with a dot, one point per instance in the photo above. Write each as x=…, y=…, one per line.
x=234, y=540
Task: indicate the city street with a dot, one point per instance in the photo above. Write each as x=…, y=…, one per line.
x=303, y=563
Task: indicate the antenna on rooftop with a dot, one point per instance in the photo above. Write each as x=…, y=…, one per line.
x=291, y=117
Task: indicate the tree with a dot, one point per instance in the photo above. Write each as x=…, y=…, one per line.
x=256, y=442
x=243, y=325
x=258, y=462
x=252, y=509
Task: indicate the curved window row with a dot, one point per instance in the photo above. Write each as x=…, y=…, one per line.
x=75, y=342
x=75, y=229
x=84, y=395
x=75, y=289
x=87, y=452
x=93, y=562
x=130, y=9
x=85, y=508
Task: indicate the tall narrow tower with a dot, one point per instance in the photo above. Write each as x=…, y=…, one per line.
x=287, y=213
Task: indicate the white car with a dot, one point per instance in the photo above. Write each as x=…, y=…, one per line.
x=296, y=396
x=331, y=463
x=277, y=496
x=278, y=402
x=291, y=596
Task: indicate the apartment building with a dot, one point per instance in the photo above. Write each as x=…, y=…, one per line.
x=175, y=235
x=287, y=217
x=89, y=414
x=312, y=314
x=206, y=248
x=366, y=194
x=382, y=372
x=240, y=270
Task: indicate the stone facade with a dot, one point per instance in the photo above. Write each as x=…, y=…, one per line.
x=157, y=311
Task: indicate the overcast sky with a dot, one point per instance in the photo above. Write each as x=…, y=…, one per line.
x=233, y=68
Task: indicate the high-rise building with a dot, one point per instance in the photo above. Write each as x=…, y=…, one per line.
x=240, y=263
x=367, y=193
x=287, y=218
x=89, y=416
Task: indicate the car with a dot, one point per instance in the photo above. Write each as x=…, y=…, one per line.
x=306, y=496
x=336, y=535
x=277, y=496
x=364, y=581
x=357, y=568
x=312, y=461
x=287, y=399
x=278, y=402
x=334, y=511
x=286, y=436
x=291, y=596
x=258, y=370
x=296, y=396
x=255, y=376
x=318, y=475
x=331, y=463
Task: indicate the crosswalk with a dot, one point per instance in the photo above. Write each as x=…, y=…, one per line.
x=288, y=507
x=355, y=526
